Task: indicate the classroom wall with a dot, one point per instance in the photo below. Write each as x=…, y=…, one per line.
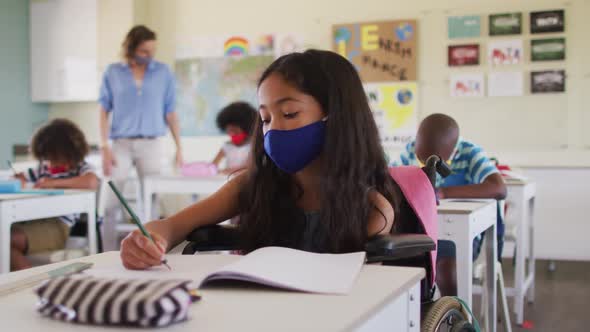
x=546, y=135
x=525, y=130
x=18, y=115
x=546, y=130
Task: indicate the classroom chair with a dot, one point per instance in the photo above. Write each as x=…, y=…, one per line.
x=412, y=244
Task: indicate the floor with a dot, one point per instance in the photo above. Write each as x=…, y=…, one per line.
x=562, y=297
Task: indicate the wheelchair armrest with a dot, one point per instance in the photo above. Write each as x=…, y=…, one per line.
x=210, y=238
x=390, y=247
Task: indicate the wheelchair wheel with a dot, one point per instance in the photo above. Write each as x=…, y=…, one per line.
x=445, y=315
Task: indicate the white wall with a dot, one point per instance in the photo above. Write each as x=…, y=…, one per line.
x=526, y=131
x=529, y=131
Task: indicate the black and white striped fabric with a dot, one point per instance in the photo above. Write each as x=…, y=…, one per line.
x=100, y=301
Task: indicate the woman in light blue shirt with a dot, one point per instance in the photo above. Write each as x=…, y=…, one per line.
x=138, y=95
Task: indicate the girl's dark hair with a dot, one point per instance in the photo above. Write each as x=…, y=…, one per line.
x=355, y=163
x=137, y=35
x=239, y=114
x=60, y=140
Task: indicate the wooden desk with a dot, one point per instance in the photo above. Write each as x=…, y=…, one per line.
x=23, y=207
x=384, y=298
x=461, y=221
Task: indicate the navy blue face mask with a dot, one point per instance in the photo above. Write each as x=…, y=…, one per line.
x=142, y=60
x=292, y=150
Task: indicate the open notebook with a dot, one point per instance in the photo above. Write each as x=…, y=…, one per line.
x=271, y=266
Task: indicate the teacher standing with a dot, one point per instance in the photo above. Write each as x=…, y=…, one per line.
x=139, y=96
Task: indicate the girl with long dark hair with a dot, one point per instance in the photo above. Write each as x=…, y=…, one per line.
x=317, y=179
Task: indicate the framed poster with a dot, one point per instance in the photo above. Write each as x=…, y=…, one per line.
x=505, y=24
x=547, y=21
x=548, y=81
x=463, y=55
x=464, y=27
x=548, y=49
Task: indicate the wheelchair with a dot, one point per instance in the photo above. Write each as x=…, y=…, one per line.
x=411, y=244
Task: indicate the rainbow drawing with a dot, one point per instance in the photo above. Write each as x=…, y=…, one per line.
x=235, y=46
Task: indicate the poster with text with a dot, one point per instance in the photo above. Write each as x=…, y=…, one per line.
x=505, y=52
x=547, y=21
x=380, y=51
x=394, y=106
x=467, y=85
x=505, y=84
x=505, y=24
x=463, y=55
x=548, y=81
x=464, y=27
x=548, y=49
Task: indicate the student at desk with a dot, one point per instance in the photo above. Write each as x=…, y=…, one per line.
x=60, y=148
x=473, y=175
x=317, y=179
x=236, y=120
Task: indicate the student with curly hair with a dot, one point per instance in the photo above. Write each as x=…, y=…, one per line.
x=236, y=120
x=60, y=147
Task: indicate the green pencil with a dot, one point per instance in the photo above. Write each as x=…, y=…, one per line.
x=134, y=217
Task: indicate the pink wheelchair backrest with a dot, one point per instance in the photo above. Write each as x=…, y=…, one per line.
x=419, y=193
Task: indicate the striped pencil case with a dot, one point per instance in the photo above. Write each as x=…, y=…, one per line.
x=100, y=301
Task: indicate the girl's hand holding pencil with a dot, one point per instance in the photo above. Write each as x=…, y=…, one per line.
x=139, y=253
x=140, y=249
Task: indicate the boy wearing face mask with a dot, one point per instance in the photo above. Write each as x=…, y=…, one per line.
x=236, y=120
x=473, y=175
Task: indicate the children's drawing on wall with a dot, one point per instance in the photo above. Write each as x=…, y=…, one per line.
x=381, y=51
x=467, y=85
x=505, y=52
x=394, y=106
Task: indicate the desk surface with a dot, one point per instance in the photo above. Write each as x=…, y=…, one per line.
x=239, y=308
x=462, y=206
x=9, y=197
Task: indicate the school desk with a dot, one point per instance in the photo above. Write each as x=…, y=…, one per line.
x=23, y=207
x=460, y=221
x=520, y=214
x=383, y=298
x=176, y=184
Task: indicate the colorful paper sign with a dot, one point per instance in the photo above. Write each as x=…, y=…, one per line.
x=394, y=106
x=467, y=85
x=380, y=51
x=547, y=21
x=464, y=27
x=548, y=49
x=548, y=81
x=463, y=55
x=505, y=52
x=505, y=24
